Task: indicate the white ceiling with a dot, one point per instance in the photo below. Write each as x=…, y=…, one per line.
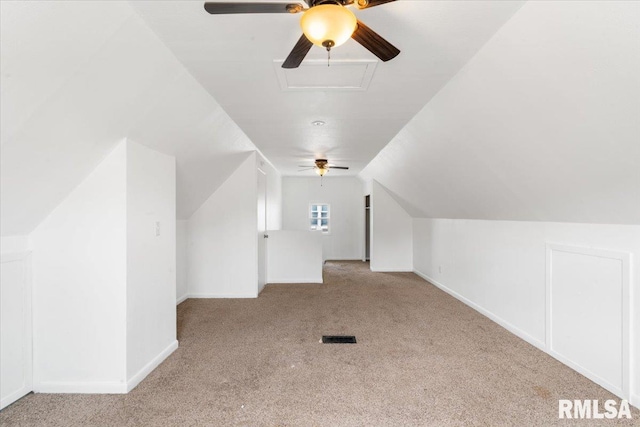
x=542, y=124
x=76, y=78
x=232, y=57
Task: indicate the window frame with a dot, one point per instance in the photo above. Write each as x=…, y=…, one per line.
x=319, y=217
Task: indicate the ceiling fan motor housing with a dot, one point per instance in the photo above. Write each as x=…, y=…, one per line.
x=322, y=163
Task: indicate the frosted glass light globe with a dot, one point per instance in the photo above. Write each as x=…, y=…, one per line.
x=328, y=25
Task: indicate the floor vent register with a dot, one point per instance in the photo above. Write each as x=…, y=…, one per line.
x=338, y=339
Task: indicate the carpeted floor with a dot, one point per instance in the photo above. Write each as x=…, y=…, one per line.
x=422, y=359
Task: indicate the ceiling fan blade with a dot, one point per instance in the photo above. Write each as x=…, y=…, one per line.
x=305, y=169
x=224, y=8
x=338, y=167
x=298, y=53
x=374, y=43
x=364, y=4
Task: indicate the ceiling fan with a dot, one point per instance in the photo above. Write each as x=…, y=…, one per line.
x=326, y=23
x=322, y=166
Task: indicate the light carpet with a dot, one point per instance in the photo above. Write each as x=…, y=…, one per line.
x=422, y=359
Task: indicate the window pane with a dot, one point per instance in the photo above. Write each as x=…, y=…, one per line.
x=319, y=217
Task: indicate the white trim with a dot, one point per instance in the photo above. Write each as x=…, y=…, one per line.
x=624, y=391
x=500, y=321
x=106, y=387
x=262, y=233
x=328, y=218
x=15, y=396
x=182, y=299
x=207, y=296
x=368, y=72
x=23, y=257
x=149, y=367
x=304, y=281
x=392, y=270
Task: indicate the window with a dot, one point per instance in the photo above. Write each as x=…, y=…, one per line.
x=319, y=217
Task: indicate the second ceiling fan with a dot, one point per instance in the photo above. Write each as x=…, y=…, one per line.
x=326, y=23
x=322, y=166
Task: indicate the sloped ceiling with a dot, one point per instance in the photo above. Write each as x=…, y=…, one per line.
x=542, y=124
x=233, y=56
x=78, y=77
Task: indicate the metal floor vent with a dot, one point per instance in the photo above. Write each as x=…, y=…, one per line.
x=338, y=339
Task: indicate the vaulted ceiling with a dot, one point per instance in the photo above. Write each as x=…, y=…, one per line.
x=493, y=110
x=77, y=78
x=235, y=58
x=543, y=124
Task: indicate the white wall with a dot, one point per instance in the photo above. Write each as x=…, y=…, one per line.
x=540, y=125
x=274, y=192
x=16, y=342
x=499, y=267
x=151, y=260
x=391, y=233
x=345, y=196
x=182, y=238
x=79, y=281
x=103, y=282
x=16, y=366
x=222, y=250
x=13, y=244
x=221, y=254
x=294, y=257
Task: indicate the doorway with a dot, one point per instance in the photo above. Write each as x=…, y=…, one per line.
x=367, y=227
x=262, y=230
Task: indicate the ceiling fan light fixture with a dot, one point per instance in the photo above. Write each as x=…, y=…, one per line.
x=328, y=25
x=321, y=171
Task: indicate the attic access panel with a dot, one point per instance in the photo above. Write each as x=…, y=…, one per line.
x=341, y=75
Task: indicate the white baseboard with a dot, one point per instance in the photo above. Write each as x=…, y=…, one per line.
x=207, y=296
x=106, y=387
x=182, y=299
x=302, y=281
x=8, y=400
x=149, y=367
x=391, y=270
x=508, y=326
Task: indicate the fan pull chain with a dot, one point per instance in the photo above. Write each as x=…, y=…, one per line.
x=328, y=44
